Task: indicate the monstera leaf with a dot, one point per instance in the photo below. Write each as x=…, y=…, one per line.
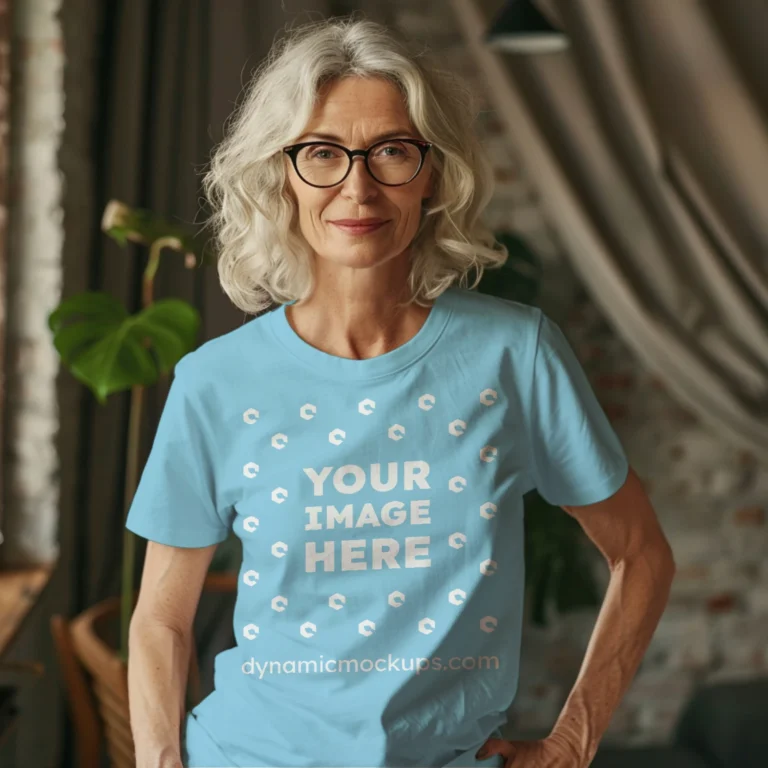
x=110, y=350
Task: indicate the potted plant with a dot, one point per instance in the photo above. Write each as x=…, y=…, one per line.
x=111, y=350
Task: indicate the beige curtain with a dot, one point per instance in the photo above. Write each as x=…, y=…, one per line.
x=648, y=141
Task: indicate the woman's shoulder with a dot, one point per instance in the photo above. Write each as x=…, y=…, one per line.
x=488, y=312
x=225, y=357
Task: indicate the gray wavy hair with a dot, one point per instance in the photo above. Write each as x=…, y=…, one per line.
x=262, y=256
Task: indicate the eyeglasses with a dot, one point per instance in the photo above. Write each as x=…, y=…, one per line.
x=393, y=162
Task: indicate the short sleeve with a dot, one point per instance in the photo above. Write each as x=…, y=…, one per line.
x=175, y=501
x=576, y=458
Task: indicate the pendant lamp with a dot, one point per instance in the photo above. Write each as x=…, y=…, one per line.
x=521, y=28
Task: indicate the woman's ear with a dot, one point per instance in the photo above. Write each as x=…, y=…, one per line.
x=430, y=188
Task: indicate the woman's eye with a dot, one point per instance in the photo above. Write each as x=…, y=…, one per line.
x=321, y=153
x=392, y=147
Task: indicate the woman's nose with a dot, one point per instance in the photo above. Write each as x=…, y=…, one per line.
x=359, y=183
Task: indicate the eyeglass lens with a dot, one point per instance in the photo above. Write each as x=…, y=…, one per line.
x=392, y=162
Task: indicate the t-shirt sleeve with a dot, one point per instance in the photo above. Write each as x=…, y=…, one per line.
x=175, y=501
x=576, y=458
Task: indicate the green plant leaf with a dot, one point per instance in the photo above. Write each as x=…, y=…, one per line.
x=124, y=224
x=109, y=350
x=172, y=325
x=93, y=306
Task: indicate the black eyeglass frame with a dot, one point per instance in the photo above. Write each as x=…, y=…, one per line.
x=294, y=149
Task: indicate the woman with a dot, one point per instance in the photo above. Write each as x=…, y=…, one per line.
x=370, y=441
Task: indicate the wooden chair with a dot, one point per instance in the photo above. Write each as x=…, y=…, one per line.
x=96, y=678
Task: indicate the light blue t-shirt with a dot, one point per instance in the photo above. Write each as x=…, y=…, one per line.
x=379, y=504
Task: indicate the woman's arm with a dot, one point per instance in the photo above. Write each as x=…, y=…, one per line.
x=159, y=647
x=627, y=532
x=159, y=659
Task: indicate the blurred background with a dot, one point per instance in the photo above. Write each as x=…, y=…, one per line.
x=630, y=144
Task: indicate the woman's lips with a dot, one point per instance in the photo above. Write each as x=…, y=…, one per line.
x=358, y=230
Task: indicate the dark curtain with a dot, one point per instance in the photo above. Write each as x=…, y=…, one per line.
x=171, y=72
x=149, y=85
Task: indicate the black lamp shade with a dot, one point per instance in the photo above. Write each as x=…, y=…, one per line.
x=521, y=28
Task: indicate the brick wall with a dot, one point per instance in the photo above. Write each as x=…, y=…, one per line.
x=34, y=285
x=710, y=496
x=31, y=462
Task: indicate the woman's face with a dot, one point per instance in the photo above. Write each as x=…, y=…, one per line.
x=357, y=111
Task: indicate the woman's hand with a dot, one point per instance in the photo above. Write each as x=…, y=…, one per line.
x=544, y=753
